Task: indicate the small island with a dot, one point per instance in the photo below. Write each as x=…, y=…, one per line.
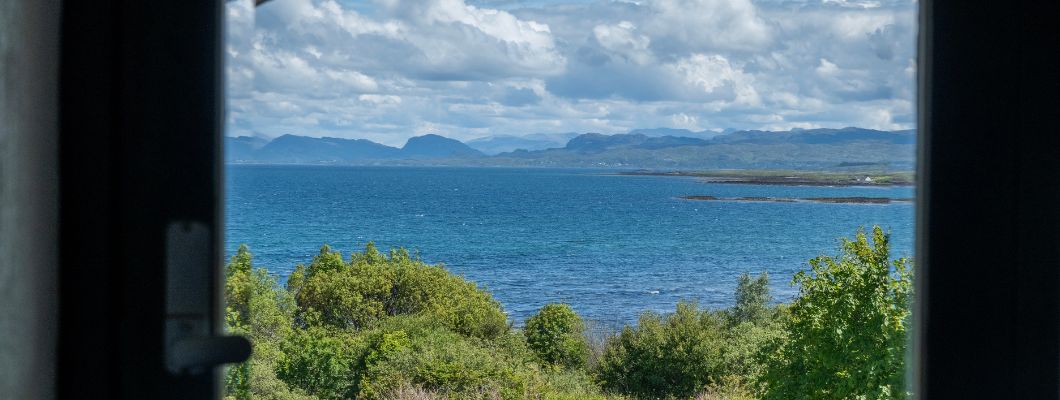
x=844, y=200
x=791, y=177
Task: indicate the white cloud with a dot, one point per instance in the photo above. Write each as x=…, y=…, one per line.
x=709, y=25
x=685, y=121
x=827, y=68
x=856, y=4
x=377, y=99
x=459, y=39
x=290, y=72
x=855, y=26
x=622, y=39
x=390, y=69
x=711, y=72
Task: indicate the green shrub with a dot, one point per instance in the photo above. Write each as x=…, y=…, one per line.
x=418, y=351
x=556, y=335
x=388, y=326
x=321, y=361
x=374, y=285
x=572, y=384
x=753, y=326
x=729, y=387
x=847, y=329
x=752, y=300
x=664, y=356
x=256, y=309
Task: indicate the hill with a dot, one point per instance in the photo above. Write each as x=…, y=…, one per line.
x=302, y=149
x=242, y=148
x=435, y=146
x=842, y=149
x=493, y=145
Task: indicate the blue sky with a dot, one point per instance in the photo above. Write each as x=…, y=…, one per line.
x=387, y=70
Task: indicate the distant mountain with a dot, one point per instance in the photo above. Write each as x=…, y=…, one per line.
x=798, y=149
x=598, y=142
x=303, y=149
x=435, y=146
x=497, y=144
x=595, y=142
x=818, y=136
x=242, y=147
x=672, y=141
x=661, y=148
x=659, y=132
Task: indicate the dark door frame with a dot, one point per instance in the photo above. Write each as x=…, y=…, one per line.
x=140, y=103
x=140, y=147
x=988, y=218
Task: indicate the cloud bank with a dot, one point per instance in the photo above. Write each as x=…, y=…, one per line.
x=390, y=69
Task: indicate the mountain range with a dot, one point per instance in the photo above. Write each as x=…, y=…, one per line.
x=641, y=148
x=293, y=149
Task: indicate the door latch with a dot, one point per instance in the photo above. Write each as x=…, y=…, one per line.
x=190, y=344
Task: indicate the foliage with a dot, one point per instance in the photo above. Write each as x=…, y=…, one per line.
x=729, y=387
x=331, y=334
x=373, y=285
x=388, y=326
x=556, y=334
x=752, y=300
x=753, y=323
x=847, y=329
x=256, y=310
x=418, y=351
x=573, y=384
x=321, y=361
x=673, y=355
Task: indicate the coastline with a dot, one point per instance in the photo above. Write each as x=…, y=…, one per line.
x=833, y=200
x=789, y=178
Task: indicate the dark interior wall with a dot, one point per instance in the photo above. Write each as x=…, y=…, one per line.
x=989, y=222
x=141, y=99
x=29, y=50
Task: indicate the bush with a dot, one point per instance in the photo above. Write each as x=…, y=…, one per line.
x=675, y=355
x=729, y=387
x=417, y=351
x=752, y=301
x=572, y=384
x=385, y=326
x=322, y=362
x=556, y=335
x=373, y=286
x=753, y=325
x=256, y=309
x=847, y=329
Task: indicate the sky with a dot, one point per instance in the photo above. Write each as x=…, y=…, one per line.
x=387, y=70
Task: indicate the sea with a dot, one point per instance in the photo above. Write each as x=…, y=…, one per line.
x=612, y=246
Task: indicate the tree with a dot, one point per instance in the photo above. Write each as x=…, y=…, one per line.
x=752, y=300
x=676, y=355
x=847, y=329
x=556, y=335
x=321, y=361
x=257, y=309
x=374, y=285
x=753, y=324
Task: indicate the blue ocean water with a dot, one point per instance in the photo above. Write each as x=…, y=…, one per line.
x=611, y=246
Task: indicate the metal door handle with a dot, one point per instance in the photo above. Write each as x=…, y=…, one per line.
x=190, y=344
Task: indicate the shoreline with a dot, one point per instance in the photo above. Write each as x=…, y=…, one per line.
x=789, y=178
x=832, y=200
